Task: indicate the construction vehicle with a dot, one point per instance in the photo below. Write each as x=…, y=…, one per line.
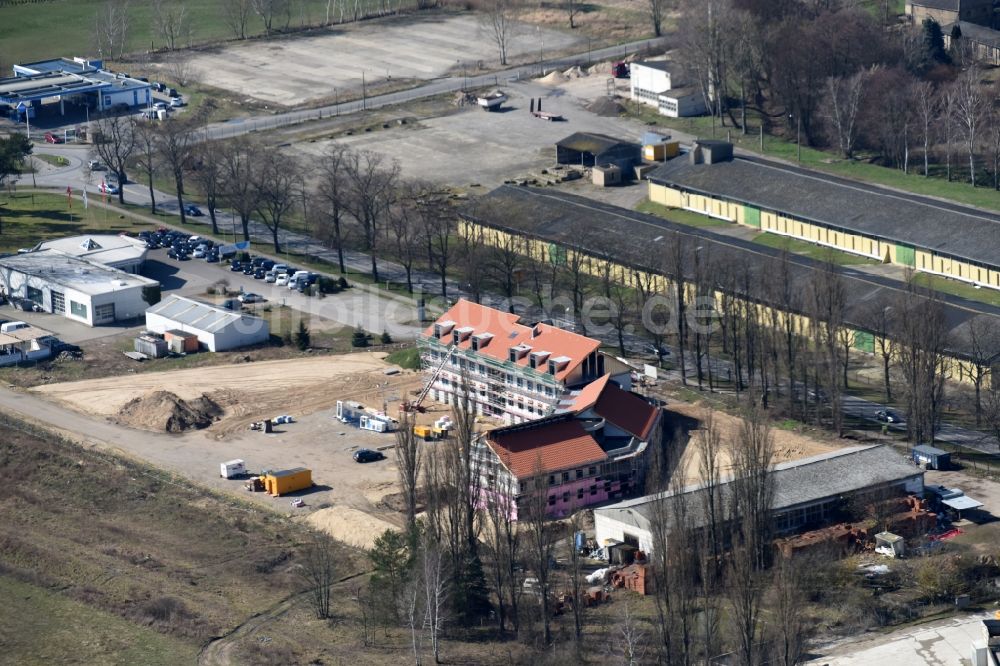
x=415, y=405
x=254, y=484
x=620, y=70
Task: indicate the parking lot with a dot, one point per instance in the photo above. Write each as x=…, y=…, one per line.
x=297, y=70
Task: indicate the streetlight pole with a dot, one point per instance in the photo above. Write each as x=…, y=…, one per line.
x=364, y=93
x=798, y=138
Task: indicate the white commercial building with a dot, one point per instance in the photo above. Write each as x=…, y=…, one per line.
x=122, y=252
x=652, y=84
x=218, y=329
x=81, y=290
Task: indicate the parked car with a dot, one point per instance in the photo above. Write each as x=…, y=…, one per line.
x=53, y=138
x=212, y=257
x=267, y=264
x=250, y=297
x=887, y=416
x=172, y=92
x=259, y=274
x=281, y=280
x=111, y=188
x=193, y=210
x=158, y=87
x=160, y=106
x=232, y=304
x=235, y=266
x=95, y=165
x=248, y=269
x=177, y=102
x=199, y=253
x=270, y=277
x=367, y=456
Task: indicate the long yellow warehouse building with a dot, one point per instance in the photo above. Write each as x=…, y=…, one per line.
x=893, y=227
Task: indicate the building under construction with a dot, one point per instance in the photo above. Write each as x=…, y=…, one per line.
x=511, y=370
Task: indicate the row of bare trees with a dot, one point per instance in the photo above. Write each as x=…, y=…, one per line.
x=173, y=22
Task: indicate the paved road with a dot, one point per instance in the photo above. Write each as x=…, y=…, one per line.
x=453, y=84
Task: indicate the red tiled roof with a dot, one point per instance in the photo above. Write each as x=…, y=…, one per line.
x=507, y=333
x=589, y=394
x=541, y=448
x=627, y=411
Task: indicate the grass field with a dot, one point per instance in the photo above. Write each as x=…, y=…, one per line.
x=956, y=288
x=26, y=30
x=31, y=218
x=819, y=252
x=680, y=216
x=106, y=560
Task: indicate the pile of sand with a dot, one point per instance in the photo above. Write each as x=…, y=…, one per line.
x=575, y=72
x=349, y=525
x=553, y=78
x=164, y=411
x=608, y=107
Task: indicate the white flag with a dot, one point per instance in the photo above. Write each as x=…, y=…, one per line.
x=85, y=199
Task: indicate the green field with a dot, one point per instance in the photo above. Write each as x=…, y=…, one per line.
x=956, y=288
x=30, y=218
x=680, y=216
x=812, y=250
x=27, y=30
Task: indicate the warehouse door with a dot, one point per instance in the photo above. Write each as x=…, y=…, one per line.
x=58, y=302
x=104, y=313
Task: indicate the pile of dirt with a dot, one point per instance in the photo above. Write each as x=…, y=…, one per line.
x=575, y=72
x=165, y=412
x=608, y=107
x=553, y=78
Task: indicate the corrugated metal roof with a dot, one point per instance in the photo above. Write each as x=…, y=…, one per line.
x=589, y=142
x=202, y=316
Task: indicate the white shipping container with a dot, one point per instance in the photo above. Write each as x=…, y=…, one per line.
x=232, y=469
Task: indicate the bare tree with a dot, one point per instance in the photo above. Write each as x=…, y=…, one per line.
x=947, y=121
x=147, y=156
x=270, y=11
x=927, y=108
x=970, y=108
x=318, y=571
x=177, y=139
x=632, y=639
x=505, y=258
x=236, y=14
x=499, y=20
x=844, y=99
x=657, y=12
x=436, y=592
x=408, y=466
x=473, y=253
x=539, y=544
x=114, y=143
x=111, y=29
x=372, y=185
x=503, y=540
x=827, y=301
x=405, y=228
x=879, y=318
x=984, y=339
x=572, y=9
x=180, y=67
x=242, y=159
x=208, y=172
x=993, y=141
x=333, y=193
x=922, y=336
x=278, y=193
x=788, y=600
x=438, y=230
x=172, y=23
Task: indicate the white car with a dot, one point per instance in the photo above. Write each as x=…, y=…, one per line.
x=199, y=253
x=281, y=279
x=176, y=102
x=270, y=277
x=250, y=298
x=160, y=106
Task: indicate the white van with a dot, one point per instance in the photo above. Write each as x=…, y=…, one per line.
x=11, y=326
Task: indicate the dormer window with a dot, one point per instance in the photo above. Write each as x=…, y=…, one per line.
x=518, y=352
x=480, y=341
x=537, y=359
x=443, y=328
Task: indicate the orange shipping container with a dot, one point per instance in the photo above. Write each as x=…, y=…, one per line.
x=287, y=481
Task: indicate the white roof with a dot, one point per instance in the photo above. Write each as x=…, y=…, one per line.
x=962, y=502
x=198, y=315
x=83, y=275
x=23, y=335
x=103, y=248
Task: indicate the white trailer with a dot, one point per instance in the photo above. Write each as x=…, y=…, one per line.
x=492, y=101
x=232, y=469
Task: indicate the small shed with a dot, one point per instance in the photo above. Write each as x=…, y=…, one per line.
x=151, y=345
x=215, y=328
x=931, y=457
x=589, y=149
x=892, y=545
x=181, y=342
x=606, y=175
